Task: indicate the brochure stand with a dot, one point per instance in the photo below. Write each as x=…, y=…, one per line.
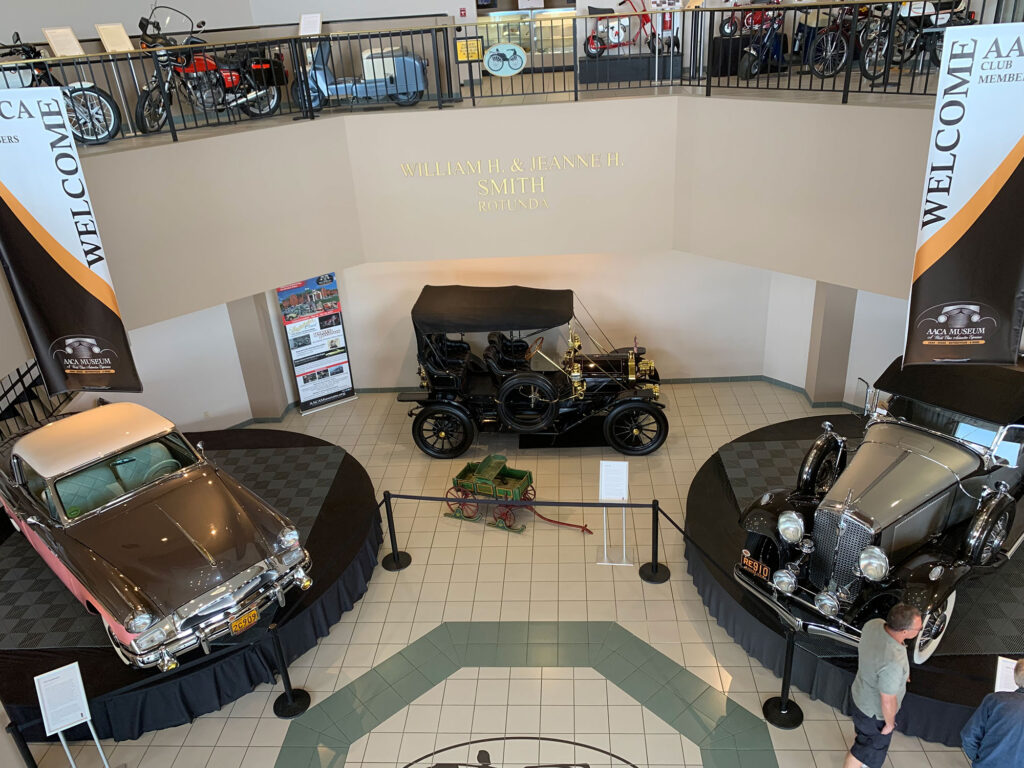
x=614, y=487
x=63, y=703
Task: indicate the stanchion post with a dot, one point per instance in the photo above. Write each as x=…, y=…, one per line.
x=654, y=572
x=294, y=701
x=22, y=745
x=397, y=560
x=781, y=711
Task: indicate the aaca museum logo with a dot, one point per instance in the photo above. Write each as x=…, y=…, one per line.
x=957, y=323
x=84, y=354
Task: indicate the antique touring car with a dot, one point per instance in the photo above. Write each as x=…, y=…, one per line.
x=501, y=390
x=930, y=495
x=169, y=550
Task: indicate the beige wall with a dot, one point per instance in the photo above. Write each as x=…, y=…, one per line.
x=825, y=191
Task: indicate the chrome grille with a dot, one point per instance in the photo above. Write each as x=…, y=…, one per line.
x=202, y=610
x=829, y=563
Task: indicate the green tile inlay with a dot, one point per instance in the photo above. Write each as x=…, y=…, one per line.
x=728, y=735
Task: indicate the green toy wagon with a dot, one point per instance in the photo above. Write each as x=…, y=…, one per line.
x=492, y=478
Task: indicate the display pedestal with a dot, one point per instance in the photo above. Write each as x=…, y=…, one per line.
x=611, y=68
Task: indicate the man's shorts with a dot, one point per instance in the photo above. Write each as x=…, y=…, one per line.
x=870, y=746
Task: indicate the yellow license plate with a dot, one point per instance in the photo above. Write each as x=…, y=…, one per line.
x=243, y=622
x=756, y=567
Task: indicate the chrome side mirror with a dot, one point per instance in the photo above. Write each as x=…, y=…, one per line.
x=201, y=448
x=827, y=426
x=33, y=520
x=19, y=477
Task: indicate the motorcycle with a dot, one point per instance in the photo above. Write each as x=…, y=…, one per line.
x=250, y=80
x=390, y=73
x=764, y=51
x=92, y=112
x=918, y=25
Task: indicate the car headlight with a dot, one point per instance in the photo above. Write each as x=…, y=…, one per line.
x=791, y=526
x=150, y=639
x=784, y=581
x=287, y=539
x=873, y=563
x=293, y=556
x=139, y=622
x=827, y=604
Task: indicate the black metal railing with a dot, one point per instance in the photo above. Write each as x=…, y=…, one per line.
x=24, y=401
x=827, y=48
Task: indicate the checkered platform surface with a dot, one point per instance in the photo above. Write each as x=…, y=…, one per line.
x=989, y=614
x=37, y=610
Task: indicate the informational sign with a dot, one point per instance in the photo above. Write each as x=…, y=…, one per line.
x=469, y=49
x=51, y=252
x=967, y=299
x=63, y=42
x=114, y=38
x=1004, y=675
x=62, y=698
x=614, y=485
x=311, y=312
x=310, y=24
x=504, y=59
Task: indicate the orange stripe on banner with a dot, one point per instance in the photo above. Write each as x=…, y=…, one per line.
x=81, y=274
x=936, y=246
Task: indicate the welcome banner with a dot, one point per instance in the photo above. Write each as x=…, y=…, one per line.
x=967, y=300
x=51, y=252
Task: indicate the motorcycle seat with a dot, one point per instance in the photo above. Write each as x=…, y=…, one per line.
x=600, y=11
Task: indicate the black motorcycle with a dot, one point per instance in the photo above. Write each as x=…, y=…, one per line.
x=93, y=115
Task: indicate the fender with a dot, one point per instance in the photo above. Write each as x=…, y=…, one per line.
x=646, y=395
x=762, y=515
x=453, y=403
x=826, y=442
x=79, y=84
x=992, y=505
x=921, y=591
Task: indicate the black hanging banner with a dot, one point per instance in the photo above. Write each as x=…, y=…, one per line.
x=51, y=252
x=967, y=299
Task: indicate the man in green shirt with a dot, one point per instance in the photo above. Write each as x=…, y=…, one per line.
x=882, y=674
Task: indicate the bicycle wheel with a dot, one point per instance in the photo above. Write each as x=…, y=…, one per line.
x=828, y=53
x=872, y=58
x=905, y=38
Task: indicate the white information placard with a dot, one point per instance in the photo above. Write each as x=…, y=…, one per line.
x=114, y=38
x=614, y=484
x=310, y=24
x=62, y=698
x=1004, y=675
x=63, y=42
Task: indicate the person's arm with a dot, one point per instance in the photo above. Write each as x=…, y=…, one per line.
x=889, y=706
x=974, y=732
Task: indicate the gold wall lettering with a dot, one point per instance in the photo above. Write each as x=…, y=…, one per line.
x=509, y=184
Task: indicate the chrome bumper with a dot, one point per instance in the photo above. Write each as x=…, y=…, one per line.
x=165, y=654
x=844, y=634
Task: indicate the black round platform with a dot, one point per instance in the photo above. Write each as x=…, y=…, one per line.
x=320, y=487
x=942, y=693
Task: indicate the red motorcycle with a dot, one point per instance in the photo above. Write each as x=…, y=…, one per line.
x=250, y=81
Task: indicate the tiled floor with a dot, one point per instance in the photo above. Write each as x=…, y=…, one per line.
x=470, y=572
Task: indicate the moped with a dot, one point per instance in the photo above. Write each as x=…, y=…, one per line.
x=390, y=73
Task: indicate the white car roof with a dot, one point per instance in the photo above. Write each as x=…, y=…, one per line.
x=82, y=438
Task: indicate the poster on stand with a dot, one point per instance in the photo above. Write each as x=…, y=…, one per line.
x=967, y=298
x=51, y=252
x=311, y=313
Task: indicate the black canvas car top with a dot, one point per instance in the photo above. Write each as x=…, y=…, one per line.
x=994, y=393
x=453, y=308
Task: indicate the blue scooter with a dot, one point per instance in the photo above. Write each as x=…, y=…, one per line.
x=390, y=73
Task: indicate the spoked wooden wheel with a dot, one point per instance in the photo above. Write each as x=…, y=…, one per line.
x=530, y=494
x=506, y=515
x=461, y=503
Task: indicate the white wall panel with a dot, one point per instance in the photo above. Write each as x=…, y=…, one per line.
x=879, y=326
x=787, y=328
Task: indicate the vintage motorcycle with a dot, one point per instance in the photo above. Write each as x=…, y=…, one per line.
x=389, y=73
x=93, y=115
x=249, y=80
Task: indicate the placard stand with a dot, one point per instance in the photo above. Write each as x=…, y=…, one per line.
x=63, y=704
x=614, y=486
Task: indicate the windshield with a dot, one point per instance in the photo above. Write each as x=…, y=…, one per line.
x=975, y=431
x=114, y=476
x=171, y=20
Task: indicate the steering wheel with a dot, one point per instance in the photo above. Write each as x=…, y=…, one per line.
x=162, y=468
x=534, y=348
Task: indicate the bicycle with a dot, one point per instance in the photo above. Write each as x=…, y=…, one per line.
x=617, y=29
x=497, y=60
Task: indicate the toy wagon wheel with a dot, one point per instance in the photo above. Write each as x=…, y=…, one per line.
x=461, y=503
x=509, y=516
x=498, y=512
x=530, y=494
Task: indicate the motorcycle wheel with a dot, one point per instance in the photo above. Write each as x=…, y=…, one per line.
x=905, y=39
x=828, y=54
x=263, y=105
x=593, y=46
x=406, y=99
x=93, y=115
x=306, y=100
x=150, y=114
x=729, y=27
x=749, y=66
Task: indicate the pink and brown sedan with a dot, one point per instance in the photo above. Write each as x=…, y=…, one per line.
x=167, y=549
